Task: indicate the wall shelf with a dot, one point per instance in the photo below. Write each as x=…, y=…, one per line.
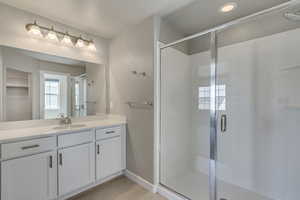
x=292, y=106
x=16, y=86
x=18, y=92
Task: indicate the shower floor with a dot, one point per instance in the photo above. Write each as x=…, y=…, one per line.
x=194, y=185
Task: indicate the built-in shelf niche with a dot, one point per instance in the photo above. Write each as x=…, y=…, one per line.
x=18, y=95
x=17, y=79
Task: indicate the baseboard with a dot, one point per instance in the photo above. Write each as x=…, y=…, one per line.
x=169, y=194
x=141, y=181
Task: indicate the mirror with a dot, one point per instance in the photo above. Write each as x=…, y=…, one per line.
x=40, y=86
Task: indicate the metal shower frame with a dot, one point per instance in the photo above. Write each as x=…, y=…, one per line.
x=213, y=80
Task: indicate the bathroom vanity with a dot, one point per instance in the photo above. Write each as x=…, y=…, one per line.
x=57, y=162
x=40, y=159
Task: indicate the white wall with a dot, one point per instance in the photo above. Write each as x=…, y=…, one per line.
x=200, y=70
x=96, y=89
x=168, y=34
x=14, y=34
x=132, y=50
x=176, y=115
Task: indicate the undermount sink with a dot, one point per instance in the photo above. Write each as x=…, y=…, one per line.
x=69, y=126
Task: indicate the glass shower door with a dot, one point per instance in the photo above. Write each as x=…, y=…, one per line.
x=258, y=75
x=185, y=118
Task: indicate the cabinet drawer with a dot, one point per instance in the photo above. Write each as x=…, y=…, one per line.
x=16, y=149
x=75, y=138
x=108, y=132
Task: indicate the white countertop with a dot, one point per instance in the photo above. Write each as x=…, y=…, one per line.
x=14, y=134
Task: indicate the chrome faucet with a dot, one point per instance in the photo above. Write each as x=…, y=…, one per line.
x=65, y=120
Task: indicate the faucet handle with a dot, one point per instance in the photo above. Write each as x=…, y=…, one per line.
x=69, y=120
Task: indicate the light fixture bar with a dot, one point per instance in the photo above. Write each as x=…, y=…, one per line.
x=76, y=38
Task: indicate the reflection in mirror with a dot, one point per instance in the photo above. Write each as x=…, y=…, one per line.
x=40, y=86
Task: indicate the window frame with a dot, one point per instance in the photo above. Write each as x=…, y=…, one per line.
x=50, y=94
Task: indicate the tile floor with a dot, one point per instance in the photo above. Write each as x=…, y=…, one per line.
x=118, y=189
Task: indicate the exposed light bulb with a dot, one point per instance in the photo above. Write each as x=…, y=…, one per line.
x=80, y=43
x=52, y=35
x=34, y=29
x=57, y=36
x=228, y=7
x=92, y=46
x=66, y=39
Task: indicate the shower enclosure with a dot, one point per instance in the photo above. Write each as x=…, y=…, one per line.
x=230, y=110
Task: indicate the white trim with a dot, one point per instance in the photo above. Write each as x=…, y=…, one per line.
x=2, y=86
x=156, y=130
x=140, y=181
x=64, y=91
x=54, y=73
x=169, y=194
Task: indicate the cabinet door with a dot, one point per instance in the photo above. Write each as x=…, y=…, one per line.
x=32, y=177
x=76, y=167
x=109, y=157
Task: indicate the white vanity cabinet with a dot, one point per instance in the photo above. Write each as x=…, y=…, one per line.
x=31, y=177
x=75, y=167
x=108, y=152
x=61, y=165
x=108, y=159
x=76, y=161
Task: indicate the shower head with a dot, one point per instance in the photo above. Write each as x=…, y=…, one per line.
x=293, y=16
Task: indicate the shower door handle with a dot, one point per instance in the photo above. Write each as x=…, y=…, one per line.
x=223, y=123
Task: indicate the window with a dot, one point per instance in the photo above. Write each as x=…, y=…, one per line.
x=52, y=94
x=204, y=98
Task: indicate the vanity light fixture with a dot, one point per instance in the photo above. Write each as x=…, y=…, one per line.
x=228, y=7
x=51, y=35
x=80, y=42
x=34, y=29
x=66, y=39
x=63, y=37
x=92, y=46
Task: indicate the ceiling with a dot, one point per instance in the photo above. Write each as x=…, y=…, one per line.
x=105, y=18
x=204, y=14
x=260, y=26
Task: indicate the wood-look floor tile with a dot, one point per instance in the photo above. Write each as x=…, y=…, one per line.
x=118, y=189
